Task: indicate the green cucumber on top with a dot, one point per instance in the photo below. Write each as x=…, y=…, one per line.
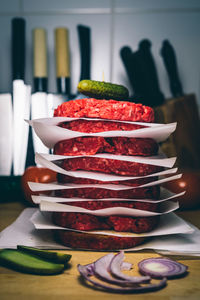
x=103, y=90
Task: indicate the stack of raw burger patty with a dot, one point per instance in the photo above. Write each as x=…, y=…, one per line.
x=90, y=145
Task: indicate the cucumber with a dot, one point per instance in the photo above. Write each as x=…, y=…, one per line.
x=103, y=90
x=24, y=262
x=55, y=257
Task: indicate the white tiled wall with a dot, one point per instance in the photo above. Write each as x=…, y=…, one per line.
x=114, y=24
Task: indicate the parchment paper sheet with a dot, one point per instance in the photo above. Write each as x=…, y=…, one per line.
x=169, y=224
x=48, y=131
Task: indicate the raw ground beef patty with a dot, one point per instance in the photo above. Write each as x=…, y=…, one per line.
x=105, y=109
x=88, y=241
x=109, y=166
x=93, y=126
x=81, y=221
x=113, y=145
x=152, y=192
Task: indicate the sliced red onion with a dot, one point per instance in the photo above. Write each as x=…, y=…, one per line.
x=101, y=270
x=161, y=267
x=150, y=287
x=116, y=267
x=125, y=266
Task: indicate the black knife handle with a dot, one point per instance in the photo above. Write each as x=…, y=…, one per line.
x=170, y=62
x=152, y=90
x=126, y=56
x=84, y=34
x=40, y=84
x=63, y=85
x=18, y=48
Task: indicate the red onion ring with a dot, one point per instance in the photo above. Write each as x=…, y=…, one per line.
x=162, y=267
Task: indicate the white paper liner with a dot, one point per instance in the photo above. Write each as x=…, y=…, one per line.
x=57, y=120
x=50, y=134
x=55, y=166
x=164, y=208
x=37, y=187
x=169, y=224
x=165, y=195
x=157, y=160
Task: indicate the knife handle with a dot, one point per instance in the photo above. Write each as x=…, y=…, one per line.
x=18, y=48
x=169, y=58
x=62, y=60
x=85, y=50
x=40, y=60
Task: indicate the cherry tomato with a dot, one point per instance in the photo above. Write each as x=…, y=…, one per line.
x=36, y=174
x=189, y=182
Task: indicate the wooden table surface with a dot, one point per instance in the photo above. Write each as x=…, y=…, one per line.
x=15, y=285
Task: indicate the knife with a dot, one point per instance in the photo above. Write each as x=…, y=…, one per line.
x=62, y=57
x=5, y=134
x=84, y=34
x=170, y=62
x=21, y=97
x=151, y=90
x=39, y=100
x=132, y=67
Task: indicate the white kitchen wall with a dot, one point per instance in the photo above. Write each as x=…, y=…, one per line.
x=114, y=24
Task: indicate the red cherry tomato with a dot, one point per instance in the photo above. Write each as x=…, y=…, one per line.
x=36, y=174
x=189, y=182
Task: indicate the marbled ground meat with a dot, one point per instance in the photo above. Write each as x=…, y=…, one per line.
x=109, y=166
x=113, y=145
x=91, y=126
x=80, y=221
x=152, y=192
x=105, y=109
x=133, y=182
x=87, y=241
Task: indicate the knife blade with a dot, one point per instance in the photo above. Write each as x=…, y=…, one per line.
x=84, y=36
x=21, y=97
x=169, y=58
x=5, y=134
x=39, y=99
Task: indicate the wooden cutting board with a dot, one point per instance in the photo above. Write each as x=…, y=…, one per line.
x=185, y=141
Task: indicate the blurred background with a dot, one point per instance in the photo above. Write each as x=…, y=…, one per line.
x=162, y=35
x=114, y=24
